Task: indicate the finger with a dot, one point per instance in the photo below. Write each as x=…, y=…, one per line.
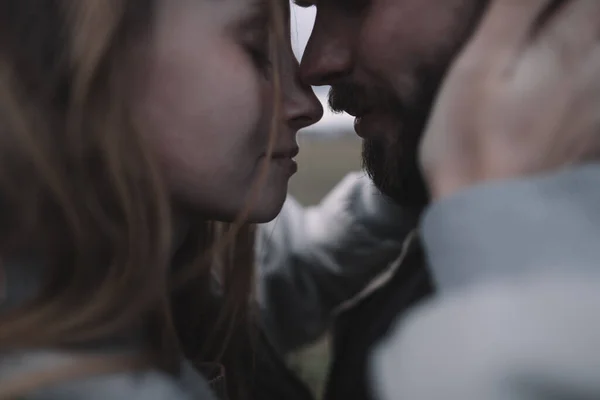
x=572, y=33
x=507, y=24
x=562, y=49
x=571, y=120
x=550, y=10
x=583, y=117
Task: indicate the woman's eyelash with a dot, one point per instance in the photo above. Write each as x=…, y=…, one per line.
x=260, y=56
x=255, y=38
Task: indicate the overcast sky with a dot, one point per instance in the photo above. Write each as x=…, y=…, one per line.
x=301, y=23
x=302, y=20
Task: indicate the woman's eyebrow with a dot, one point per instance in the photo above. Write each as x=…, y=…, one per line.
x=259, y=10
x=259, y=14
x=255, y=14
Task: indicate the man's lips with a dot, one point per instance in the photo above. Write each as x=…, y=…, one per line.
x=357, y=112
x=360, y=124
x=359, y=115
x=375, y=125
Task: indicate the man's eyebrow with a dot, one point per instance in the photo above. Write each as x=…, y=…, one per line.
x=305, y=3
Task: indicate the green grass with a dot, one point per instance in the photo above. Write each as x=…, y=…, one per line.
x=322, y=163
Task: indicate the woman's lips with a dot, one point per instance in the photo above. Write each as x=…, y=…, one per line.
x=287, y=164
x=283, y=159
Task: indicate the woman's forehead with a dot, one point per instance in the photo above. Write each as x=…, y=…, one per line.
x=213, y=13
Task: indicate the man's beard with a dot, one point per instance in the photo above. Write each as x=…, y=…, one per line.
x=393, y=167
x=391, y=160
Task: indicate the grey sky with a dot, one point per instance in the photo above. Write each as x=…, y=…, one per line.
x=301, y=23
x=302, y=20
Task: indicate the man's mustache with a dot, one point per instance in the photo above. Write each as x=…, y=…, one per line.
x=357, y=101
x=348, y=98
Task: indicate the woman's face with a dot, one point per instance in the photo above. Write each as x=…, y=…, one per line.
x=205, y=101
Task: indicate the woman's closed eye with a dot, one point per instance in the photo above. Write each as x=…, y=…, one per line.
x=256, y=43
x=254, y=35
x=261, y=57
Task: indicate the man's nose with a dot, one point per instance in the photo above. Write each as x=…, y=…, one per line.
x=328, y=55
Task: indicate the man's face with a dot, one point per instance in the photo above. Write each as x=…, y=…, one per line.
x=385, y=60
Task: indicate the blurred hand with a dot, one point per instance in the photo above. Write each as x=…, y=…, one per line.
x=522, y=98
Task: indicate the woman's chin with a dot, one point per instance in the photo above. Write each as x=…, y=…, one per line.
x=261, y=209
x=267, y=207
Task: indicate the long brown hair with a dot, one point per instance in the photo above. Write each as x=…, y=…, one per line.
x=81, y=191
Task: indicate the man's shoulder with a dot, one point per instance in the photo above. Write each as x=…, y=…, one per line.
x=405, y=282
x=487, y=340
x=375, y=314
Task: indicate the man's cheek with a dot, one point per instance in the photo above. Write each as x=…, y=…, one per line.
x=385, y=53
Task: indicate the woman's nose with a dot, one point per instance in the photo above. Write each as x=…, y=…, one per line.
x=302, y=107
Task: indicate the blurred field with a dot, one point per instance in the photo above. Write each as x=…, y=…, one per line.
x=322, y=163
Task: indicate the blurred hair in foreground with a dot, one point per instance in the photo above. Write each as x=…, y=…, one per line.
x=81, y=195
